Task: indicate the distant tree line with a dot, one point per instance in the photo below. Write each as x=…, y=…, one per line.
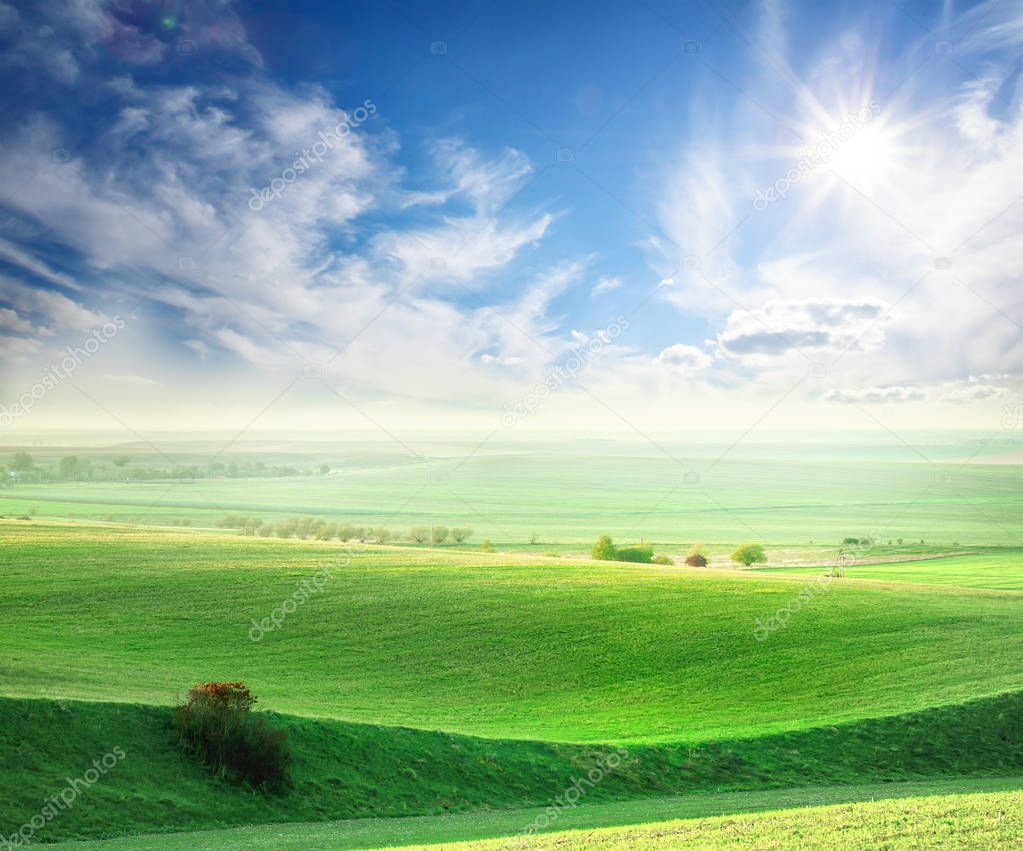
x=118, y=468
x=322, y=529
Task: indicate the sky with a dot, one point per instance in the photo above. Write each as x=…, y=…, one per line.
x=600, y=217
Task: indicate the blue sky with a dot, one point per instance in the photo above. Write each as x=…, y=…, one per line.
x=595, y=216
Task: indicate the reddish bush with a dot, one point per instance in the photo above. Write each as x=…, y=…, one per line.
x=217, y=727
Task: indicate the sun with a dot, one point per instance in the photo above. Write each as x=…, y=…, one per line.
x=869, y=158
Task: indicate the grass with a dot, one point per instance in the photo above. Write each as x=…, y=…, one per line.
x=572, y=498
x=986, y=820
x=349, y=771
x=490, y=645
x=999, y=570
x=374, y=833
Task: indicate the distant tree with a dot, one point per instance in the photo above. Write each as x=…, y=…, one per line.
x=68, y=466
x=265, y=530
x=533, y=538
x=21, y=461
x=324, y=469
x=604, y=549
x=439, y=534
x=662, y=560
x=461, y=533
x=382, y=534
x=748, y=554
x=640, y=553
x=696, y=560
x=486, y=546
x=345, y=531
x=899, y=542
x=419, y=534
x=122, y=461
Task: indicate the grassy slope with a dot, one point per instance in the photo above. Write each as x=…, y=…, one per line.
x=1000, y=570
x=347, y=771
x=374, y=833
x=481, y=644
x=993, y=820
x=564, y=498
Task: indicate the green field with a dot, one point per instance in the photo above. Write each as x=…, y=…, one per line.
x=432, y=830
x=485, y=644
x=351, y=771
x=440, y=694
x=951, y=821
x=1002, y=569
x=565, y=499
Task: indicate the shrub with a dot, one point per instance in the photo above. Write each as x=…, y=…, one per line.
x=287, y=528
x=439, y=534
x=696, y=560
x=748, y=554
x=661, y=560
x=486, y=546
x=640, y=554
x=265, y=531
x=419, y=534
x=604, y=549
x=461, y=533
x=216, y=726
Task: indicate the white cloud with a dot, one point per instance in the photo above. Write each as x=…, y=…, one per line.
x=780, y=327
x=683, y=358
x=18, y=349
x=970, y=392
x=17, y=256
x=10, y=321
x=606, y=285
x=877, y=395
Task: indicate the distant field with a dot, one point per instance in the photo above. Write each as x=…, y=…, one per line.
x=1000, y=570
x=571, y=499
x=494, y=645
